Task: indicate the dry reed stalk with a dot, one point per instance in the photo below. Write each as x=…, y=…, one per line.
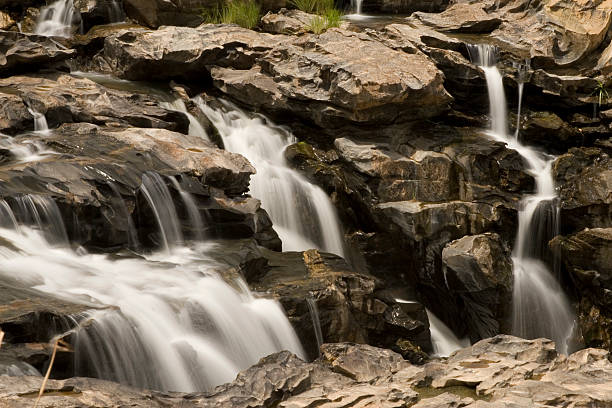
x=44, y=383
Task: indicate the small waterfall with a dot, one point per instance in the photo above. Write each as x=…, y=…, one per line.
x=540, y=308
x=158, y=196
x=443, y=339
x=356, y=4
x=316, y=322
x=522, y=70
x=25, y=150
x=302, y=213
x=174, y=323
x=56, y=20
x=42, y=213
x=195, y=127
x=116, y=14
x=195, y=219
x=40, y=121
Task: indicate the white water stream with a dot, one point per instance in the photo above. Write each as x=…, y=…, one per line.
x=173, y=324
x=302, y=214
x=56, y=19
x=540, y=308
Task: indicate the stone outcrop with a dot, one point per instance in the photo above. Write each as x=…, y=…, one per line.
x=28, y=51
x=182, y=52
x=584, y=177
x=355, y=88
x=501, y=372
x=587, y=256
x=64, y=98
x=524, y=27
x=286, y=22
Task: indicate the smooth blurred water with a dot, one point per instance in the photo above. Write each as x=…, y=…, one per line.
x=540, y=307
x=302, y=213
x=56, y=19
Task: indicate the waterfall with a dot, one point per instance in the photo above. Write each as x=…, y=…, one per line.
x=316, y=322
x=165, y=321
x=116, y=14
x=443, y=339
x=356, y=4
x=132, y=234
x=195, y=219
x=56, y=19
x=158, y=196
x=522, y=70
x=195, y=127
x=540, y=308
x=40, y=121
x=302, y=213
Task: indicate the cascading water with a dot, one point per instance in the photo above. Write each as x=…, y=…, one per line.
x=540, y=308
x=356, y=4
x=116, y=14
x=195, y=219
x=40, y=122
x=316, y=321
x=302, y=213
x=195, y=127
x=522, y=70
x=443, y=339
x=173, y=322
x=56, y=20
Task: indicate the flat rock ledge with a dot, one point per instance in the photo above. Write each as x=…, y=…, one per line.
x=500, y=372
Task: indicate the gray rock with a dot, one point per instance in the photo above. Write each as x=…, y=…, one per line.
x=286, y=22
x=19, y=51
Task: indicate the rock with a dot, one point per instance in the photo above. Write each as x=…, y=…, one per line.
x=286, y=22
x=99, y=12
x=83, y=392
x=97, y=212
x=6, y=22
x=587, y=256
x=21, y=51
x=357, y=88
x=524, y=27
x=548, y=130
x=584, y=179
x=350, y=305
x=182, y=52
x=462, y=18
x=65, y=98
x=479, y=269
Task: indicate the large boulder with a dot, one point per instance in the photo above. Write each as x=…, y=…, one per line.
x=23, y=52
x=587, y=256
x=182, y=52
x=336, y=77
x=584, y=178
x=479, y=269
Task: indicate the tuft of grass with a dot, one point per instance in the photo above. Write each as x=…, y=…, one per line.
x=328, y=15
x=317, y=25
x=601, y=92
x=244, y=13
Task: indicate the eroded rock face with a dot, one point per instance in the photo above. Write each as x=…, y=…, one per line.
x=479, y=269
x=587, y=256
x=183, y=52
x=286, y=22
x=524, y=26
x=64, y=98
x=365, y=81
x=25, y=52
x=584, y=176
x=502, y=372
x=351, y=305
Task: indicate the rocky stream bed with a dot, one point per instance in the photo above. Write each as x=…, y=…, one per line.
x=388, y=122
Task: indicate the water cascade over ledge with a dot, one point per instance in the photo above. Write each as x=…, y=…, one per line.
x=302, y=213
x=165, y=320
x=56, y=19
x=540, y=307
